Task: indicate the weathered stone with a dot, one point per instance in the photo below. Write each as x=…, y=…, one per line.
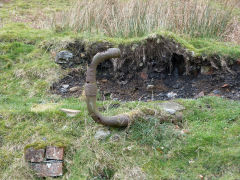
x=34, y=155
x=150, y=86
x=63, y=57
x=54, y=153
x=170, y=111
x=171, y=107
x=65, y=86
x=48, y=169
x=171, y=95
x=70, y=112
x=75, y=88
x=101, y=134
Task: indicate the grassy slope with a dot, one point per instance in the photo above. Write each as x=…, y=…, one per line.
x=29, y=115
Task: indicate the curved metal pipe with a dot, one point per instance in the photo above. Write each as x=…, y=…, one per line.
x=120, y=120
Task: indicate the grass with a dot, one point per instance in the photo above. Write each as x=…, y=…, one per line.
x=152, y=149
x=30, y=115
x=132, y=18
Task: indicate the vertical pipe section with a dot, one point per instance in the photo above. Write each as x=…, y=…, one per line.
x=120, y=120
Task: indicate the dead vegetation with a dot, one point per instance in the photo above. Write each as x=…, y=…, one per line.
x=136, y=18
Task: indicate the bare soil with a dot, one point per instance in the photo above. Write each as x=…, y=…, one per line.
x=154, y=69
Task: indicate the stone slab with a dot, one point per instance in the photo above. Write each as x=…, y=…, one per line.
x=34, y=155
x=54, y=153
x=171, y=107
x=48, y=169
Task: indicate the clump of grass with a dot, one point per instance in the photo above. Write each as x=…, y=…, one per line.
x=133, y=18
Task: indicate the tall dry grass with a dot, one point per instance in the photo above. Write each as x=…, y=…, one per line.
x=131, y=18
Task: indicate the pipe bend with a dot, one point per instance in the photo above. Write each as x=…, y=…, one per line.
x=121, y=120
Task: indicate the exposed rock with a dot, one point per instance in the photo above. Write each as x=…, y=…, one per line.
x=150, y=86
x=54, y=153
x=65, y=86
x=34, y=155
x=70, y=112
x=170, y=111
x=102, y=134
x=48, y=169
x=63, y=57
x=171, y=95
x=171, y=107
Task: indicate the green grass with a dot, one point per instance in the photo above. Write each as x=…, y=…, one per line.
x=210, y=149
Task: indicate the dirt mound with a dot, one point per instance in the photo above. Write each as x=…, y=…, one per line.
x=155, y=69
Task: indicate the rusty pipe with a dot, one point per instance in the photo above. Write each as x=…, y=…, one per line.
x=120, y=120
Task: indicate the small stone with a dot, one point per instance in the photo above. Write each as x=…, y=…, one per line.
x=1, y=5
x=171, y=95
x=54, y=153
x=75, y=88
x=201, y=94
x=48, y=168
x=170, y=111
x=122, y=82
x=216, y=92
x=34, y=155
x=65, y=86
x=101, y=134
x=150, y=86
x=225, y=85
x=116, y=137
x=171, y=107
x=191, y=162
x=63, y=57
x=70, y=112
x=63, y=90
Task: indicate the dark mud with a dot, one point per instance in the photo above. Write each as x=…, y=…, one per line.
x=154, y=69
